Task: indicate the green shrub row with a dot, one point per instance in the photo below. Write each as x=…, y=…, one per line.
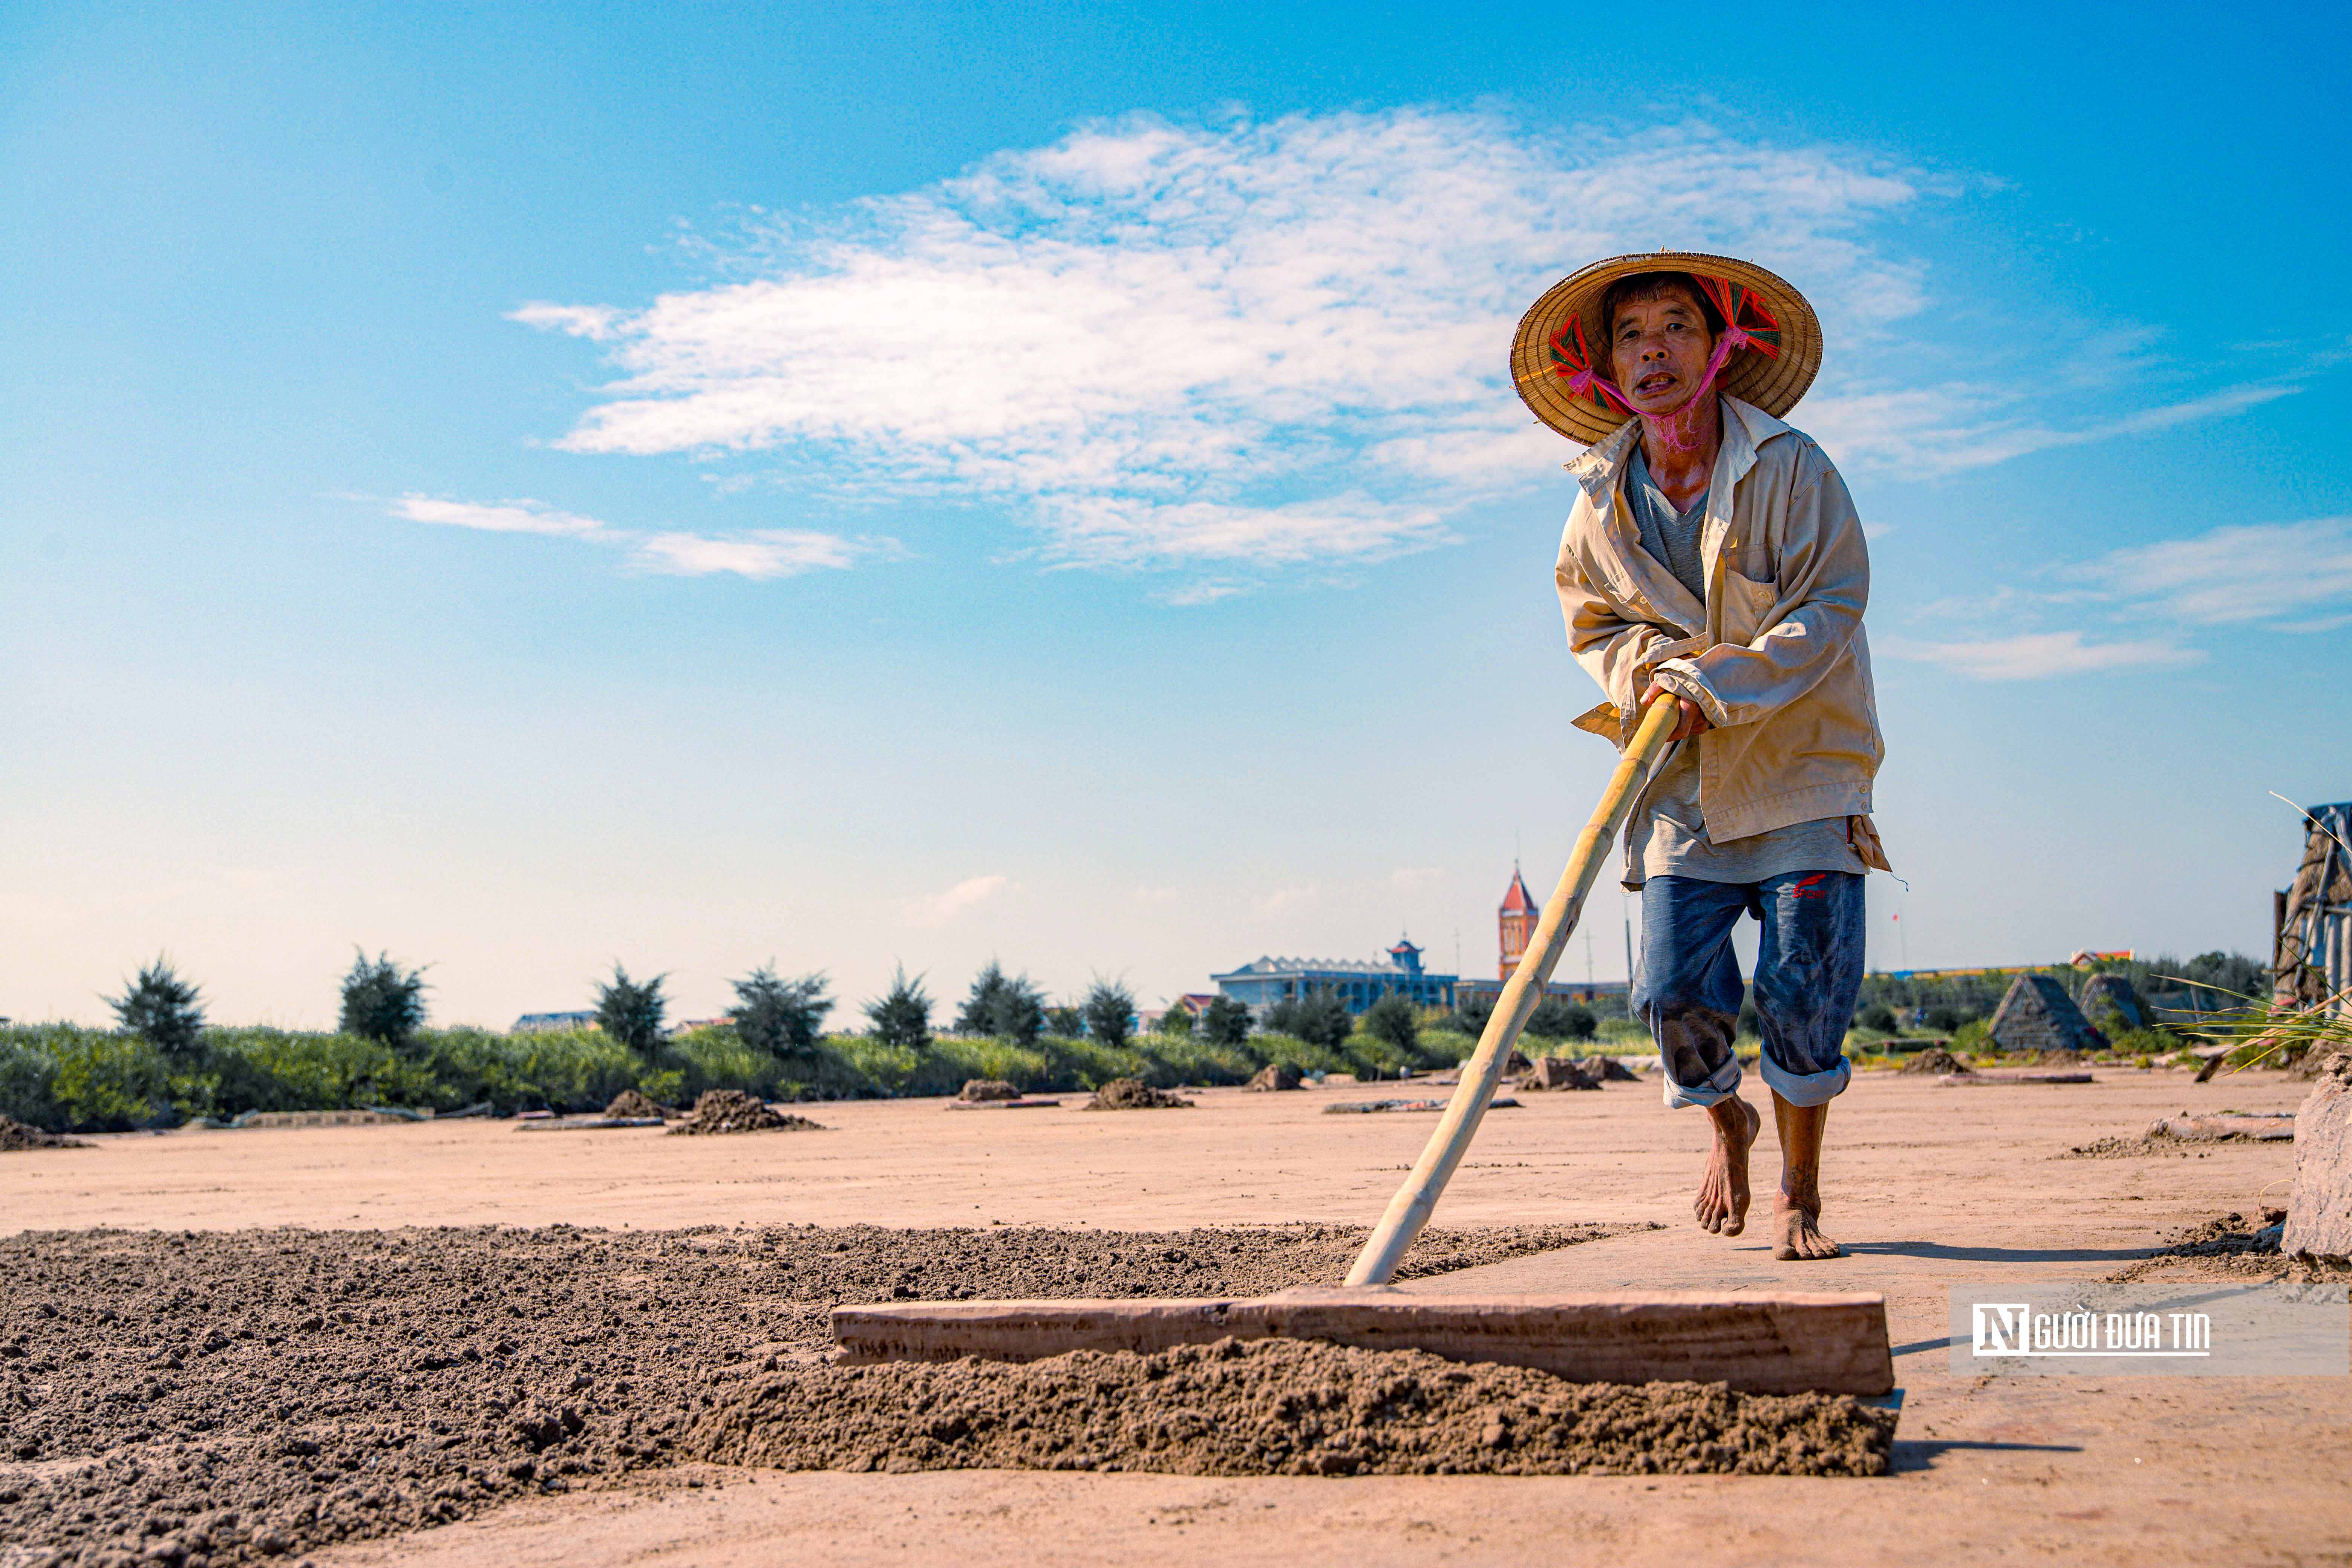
x=68, y=1079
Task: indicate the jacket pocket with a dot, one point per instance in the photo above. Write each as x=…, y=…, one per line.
x=1747, y=606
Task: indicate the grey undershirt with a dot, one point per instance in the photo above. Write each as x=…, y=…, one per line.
x=1667, y=836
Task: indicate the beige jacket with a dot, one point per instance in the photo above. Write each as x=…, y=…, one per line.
x=1776, y=656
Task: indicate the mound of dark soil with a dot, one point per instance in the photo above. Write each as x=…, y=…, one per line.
x=1281, y=1407
x=1275, y=1077
x=983, y=1090
x=2125, y=1149
x=240, y=1395
x=1609, y=1069
x=732, y=1111
x=633, y=1103
x=15, y=1135
x=1936, y=1059
x=1134, y=1094
x=1557, y=1072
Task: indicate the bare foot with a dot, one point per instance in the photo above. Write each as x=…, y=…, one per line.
x=1797, y=1212
x=1722, y=1206
x=1801, y=1235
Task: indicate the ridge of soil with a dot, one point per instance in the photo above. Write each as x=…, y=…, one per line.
x=732, y=1111
x=2231, y=1247
x=15, y=1137
x=1935, y=1059
x=634, y=1104
x=1134, y=1094
x=1283, y=1407
x=232, y=1397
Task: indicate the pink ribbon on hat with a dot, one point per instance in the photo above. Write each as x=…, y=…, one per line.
x=1572, y=362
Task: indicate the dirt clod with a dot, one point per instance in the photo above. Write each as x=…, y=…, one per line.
x=1557, y=1072
x=15, y=1135
x=267, y=1393
x=1935, y=1059
x=1278, y=1407
x=982, y=1089
x=1275, y=1077
x=732, y=1111
x=634, y=1104
x=1134, y=1094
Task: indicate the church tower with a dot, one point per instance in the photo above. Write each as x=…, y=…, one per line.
x=1518, y=920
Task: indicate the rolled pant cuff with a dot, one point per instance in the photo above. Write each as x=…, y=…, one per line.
x=1804, y=1089
x=1718, y=1088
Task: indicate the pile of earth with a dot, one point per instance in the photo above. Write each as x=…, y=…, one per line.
x=1134, y=1094
x=634, y=1105
x=1557, y=1072
x=2050, y=1058
x=226, y=1397
x=1936, y=1059
x=2129, y=1149
x=15, y=1135
x=1275, y=1077
x=1282, y=1407
x=2234, y=1248
x=732, y=1111
x=984, y=1089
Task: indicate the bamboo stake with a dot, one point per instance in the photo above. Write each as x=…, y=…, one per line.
x=1483, y=1073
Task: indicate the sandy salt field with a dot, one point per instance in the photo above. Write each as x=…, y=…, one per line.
x=607, y=1346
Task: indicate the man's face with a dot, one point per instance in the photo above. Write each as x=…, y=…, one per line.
x=1658, y=350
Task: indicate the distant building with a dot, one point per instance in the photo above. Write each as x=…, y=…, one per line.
x=1515, y=928
x=549, y=1023
x=1259, y=985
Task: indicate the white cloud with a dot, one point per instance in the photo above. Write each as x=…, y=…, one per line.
x=2032, y=655
x=965, y=896
x=1281, y=898
x=500, y=517
x=758, y=553
x=1246, y=346
x=767, y=553
x=2298, y=574
x=1932, y=431
x=1256, y=344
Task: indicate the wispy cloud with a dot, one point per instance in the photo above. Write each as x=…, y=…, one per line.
x=765, y=552
x=2290, y=577
x=2032, y=655
x=2296, y=575
x=1281, y=898
x=964, y=897
x=500, y=517
x=1236, y=347
x=1931, y=431
x=1243, y=345
x=758, y=553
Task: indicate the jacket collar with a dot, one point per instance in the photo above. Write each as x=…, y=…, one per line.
x=1600, y=467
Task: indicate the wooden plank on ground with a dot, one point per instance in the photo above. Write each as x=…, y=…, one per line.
x=1784, y=1343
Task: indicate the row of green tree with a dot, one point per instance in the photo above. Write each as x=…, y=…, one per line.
x=384, y=1001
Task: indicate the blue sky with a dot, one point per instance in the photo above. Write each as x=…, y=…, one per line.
x=524, y=488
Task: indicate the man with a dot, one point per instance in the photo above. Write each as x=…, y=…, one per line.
x=1714, y=556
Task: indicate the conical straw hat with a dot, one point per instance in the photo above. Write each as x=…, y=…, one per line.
x=1546, y=354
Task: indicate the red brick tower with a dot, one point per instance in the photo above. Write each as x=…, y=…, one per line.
x=1518, y=920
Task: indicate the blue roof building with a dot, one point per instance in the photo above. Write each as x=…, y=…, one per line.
x=1261, y=985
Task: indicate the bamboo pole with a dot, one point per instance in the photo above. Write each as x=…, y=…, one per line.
x=1483, y=1073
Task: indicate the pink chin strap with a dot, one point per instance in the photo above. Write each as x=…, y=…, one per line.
x=1748, y=324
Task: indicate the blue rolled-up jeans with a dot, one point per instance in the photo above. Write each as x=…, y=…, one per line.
x=1809, y=964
